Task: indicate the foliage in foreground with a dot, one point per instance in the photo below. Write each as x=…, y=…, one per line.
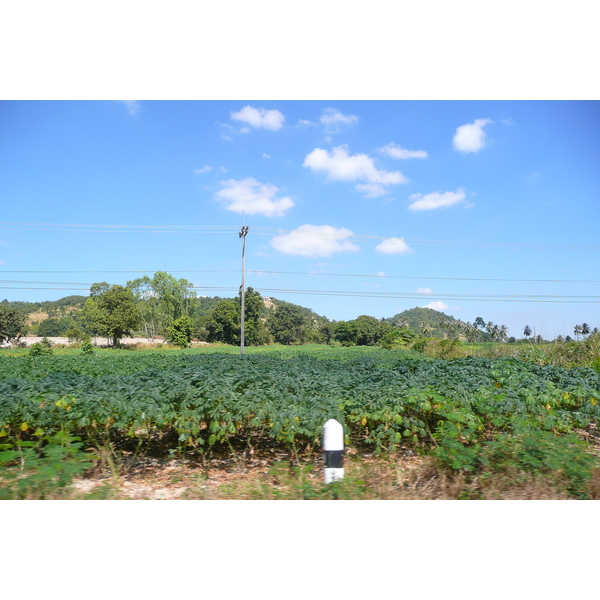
x=41, y=468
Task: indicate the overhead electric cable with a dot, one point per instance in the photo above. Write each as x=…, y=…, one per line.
x=270, y=231
x=262, y=271
x=362, y=294
x=294, y=233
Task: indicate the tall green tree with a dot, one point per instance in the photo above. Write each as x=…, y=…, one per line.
x=223, y=325
x=111, y=311
x=147, y=302
x=162, y=300
x=255, y=330
x=288, y=325
x=12, y=324
x=174, y=295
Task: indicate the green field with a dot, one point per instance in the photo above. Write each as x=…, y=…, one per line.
x=472, y=415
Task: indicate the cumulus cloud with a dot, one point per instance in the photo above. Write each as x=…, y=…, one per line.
x=436, y=200
x=314, y=240
x=334, y=121
x=424, y=291
x=253, y=197
x=470, y=137
x=396, y=151
x=339, y=165
x=260, y=118
x=393, y=246
x=437, y=305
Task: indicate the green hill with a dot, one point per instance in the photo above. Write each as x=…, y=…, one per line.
x=313, y=317
x=413, y=318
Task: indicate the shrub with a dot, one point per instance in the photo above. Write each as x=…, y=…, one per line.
x=87, y=347
x=76, y=335
x=181, y=332
x=43, y=348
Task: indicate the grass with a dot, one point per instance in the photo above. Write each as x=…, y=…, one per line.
x=366, y=478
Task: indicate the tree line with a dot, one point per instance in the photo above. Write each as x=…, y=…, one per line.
x=165, y=307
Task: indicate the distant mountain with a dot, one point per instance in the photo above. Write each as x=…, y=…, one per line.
x=415, y=316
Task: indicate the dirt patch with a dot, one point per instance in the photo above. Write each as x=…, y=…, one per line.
x=36, y=317
x=97, y=341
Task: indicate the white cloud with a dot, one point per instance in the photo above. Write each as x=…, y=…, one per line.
x=398, y=152
x=305, y=122
x=380, y=274
x=393, y=246
x=314, y=240
x=334, y=121
x=133, y=107
x=253, y=197
x=470, y=137
x=260, y=117
x=207, y=168
x=436, y=306
x=424, y=291
x=265, y=155
x=340, y=166
x=436, y=200
x=371, y=190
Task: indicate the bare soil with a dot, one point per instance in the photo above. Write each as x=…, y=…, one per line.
x=273, y=476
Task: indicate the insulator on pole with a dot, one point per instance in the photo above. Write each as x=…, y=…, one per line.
x=333, y=450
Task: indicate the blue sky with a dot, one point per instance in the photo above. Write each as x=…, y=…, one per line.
x=432, y=199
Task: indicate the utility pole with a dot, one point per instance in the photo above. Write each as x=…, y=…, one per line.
x=243, y=234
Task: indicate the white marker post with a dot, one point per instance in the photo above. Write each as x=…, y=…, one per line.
x=333, y=446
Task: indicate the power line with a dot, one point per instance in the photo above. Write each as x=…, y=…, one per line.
x=294, y=233
x=178, y=229
x=262, y=271
x=422, y=277
x=407, y=294
x=428, y=297
x=389, y=295
x=270, y=231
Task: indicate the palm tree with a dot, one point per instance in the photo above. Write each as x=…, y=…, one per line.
x=451, y=327
x=577, y=331
x=471, y=332
x=503, y=332
x=425, y=328
x=527, y=331
x=585, y=329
